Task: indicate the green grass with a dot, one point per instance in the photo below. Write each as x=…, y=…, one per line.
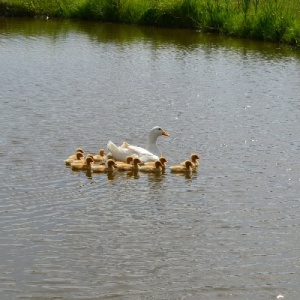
x=272, y=20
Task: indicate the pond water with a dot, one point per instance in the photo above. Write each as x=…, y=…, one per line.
x=230, y=231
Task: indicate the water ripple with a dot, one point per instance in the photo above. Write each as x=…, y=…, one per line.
x=231, y=230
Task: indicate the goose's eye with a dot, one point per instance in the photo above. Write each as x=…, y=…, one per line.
x=159, y=128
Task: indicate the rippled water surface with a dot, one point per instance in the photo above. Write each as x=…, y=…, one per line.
x=231, y=231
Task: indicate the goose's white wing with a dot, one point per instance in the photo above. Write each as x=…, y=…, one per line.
x=120, y=153
x=143, y=154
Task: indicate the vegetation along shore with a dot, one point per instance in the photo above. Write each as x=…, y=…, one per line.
x=270, y=20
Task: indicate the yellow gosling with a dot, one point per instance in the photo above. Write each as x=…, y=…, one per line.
x=90, y=155
x=129, y=167
x=156, y=168
x=78, y=156
x=163, y=161
x=129, y=160
x=101, y=157
x=186, y=168
x=73, y=156
x=82, y=165
x=194, y=160
x=111, y=167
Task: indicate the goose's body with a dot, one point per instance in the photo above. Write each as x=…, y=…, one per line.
x=111, y=167
x=71, y=159
x=82, y=165
x=129, y=167
x=186, y=168
x=152, y=152
x=156, y=168
x=101, y=157
x=120, y=153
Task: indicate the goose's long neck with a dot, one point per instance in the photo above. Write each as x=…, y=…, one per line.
x=152, y=147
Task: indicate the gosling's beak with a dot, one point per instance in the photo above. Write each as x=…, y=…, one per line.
x=165, y=133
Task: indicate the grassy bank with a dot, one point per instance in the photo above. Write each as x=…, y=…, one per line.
x=272, y=20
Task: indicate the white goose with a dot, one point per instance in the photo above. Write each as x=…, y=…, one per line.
x=152, y=153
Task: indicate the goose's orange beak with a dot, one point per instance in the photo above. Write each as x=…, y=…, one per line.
x=165, y=133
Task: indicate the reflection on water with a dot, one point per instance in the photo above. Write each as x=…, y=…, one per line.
x=107, y=33
x=134, y=174
x=230, y=230
x=152, y=177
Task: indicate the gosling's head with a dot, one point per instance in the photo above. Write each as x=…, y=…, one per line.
x=188, y=164
x=158, y=164
x=79, y=150
x=195, y=156
x=111, y=163
x=137, y=161
x=79, y=155
x=163, y=160
x=89, y=160
x=129, y=159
